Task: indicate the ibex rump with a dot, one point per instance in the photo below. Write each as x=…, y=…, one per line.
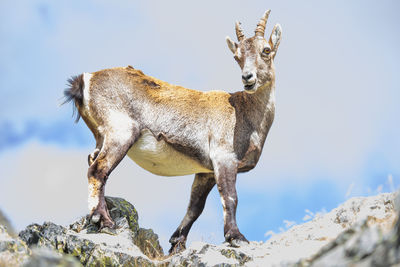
x=170, y=130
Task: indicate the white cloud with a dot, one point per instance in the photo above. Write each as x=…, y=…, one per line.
x=41, y=183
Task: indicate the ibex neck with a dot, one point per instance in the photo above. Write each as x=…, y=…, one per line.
x=260, y=105
x=254, y=117
x=262, y=108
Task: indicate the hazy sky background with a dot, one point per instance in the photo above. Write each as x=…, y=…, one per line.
x=335, y=135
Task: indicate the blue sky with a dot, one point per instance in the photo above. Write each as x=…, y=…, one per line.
x=336, y=126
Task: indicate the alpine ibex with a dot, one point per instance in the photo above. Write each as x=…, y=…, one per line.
x=170, y=130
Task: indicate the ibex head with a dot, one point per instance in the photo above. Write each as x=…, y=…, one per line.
x=255, y=55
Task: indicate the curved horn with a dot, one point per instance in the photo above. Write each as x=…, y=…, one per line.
x=239, y=31
x=260, y=29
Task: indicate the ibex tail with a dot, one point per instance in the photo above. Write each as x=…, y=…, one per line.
x=75, y=92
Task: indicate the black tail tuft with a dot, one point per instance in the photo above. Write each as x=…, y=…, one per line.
x=75, y=92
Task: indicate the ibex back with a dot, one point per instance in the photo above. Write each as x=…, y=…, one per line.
x=170, y=130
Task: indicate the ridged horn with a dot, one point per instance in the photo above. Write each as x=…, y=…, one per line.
x=260, y=29
x=239, y=31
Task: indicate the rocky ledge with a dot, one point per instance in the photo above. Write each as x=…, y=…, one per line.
x=360, y=232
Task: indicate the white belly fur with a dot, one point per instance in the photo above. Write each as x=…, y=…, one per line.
x=160, y=158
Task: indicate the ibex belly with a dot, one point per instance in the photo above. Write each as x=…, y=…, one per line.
x=158, y=157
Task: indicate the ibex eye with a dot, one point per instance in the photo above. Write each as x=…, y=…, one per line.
x=267, y=50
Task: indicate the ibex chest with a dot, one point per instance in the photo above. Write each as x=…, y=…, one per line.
x=252, y=153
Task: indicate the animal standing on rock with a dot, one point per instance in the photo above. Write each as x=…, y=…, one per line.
x=170, y=130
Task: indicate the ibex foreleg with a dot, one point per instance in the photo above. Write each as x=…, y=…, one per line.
x=225, y=170
x=202, y=185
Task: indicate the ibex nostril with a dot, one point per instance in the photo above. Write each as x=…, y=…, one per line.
x=247, y=76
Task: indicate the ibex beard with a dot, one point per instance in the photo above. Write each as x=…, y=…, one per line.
x=170, y=130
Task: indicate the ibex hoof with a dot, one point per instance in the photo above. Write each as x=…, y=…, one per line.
x=177, y=245
x=236, y=239
x=177, y=248
x=106, y=223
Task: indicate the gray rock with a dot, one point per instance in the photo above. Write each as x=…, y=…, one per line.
x=360, y=232
x=148, y=243
x=47, y=235
x=363, y=245
x=120, y=208
x=13, y=251
x=203, y=254
x=48, y=258
x=127, y=244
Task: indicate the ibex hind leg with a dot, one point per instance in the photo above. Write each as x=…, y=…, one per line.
x=202, y=185
x=112, y=151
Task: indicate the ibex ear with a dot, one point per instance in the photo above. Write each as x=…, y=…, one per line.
x=231, y=44
x=275, y=38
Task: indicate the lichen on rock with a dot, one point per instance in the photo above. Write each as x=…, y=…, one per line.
x=120, y=208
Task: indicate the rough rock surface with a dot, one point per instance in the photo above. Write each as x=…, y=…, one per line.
x=127, y=244
x=42, y=257
x=13, y=251
x=360, y=232
x=369, y=242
